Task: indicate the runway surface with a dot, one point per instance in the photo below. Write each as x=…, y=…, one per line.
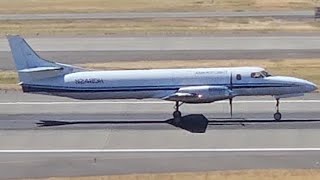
x=139, y=15
x=171, y=43
x=79, y=57
x=53, y=136
x=98, y=49
x=118, y=163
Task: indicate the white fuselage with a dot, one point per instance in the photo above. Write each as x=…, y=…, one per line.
x=140, y=84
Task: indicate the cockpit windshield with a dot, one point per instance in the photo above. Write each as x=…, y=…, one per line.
x=266, y=74
x=260, y=74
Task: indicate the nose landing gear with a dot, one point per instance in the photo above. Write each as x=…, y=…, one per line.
x=277, y=116
x=177, y=113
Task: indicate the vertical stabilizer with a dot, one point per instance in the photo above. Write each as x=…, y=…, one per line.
x=32, y=67
x=24, y=56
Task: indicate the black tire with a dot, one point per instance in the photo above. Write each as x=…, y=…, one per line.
x=277, y=116
x=177, y=115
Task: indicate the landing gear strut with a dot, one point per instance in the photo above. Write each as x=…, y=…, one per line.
x=277, y=115
x=177, y=113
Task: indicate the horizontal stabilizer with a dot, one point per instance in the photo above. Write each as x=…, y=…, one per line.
x=40, y=69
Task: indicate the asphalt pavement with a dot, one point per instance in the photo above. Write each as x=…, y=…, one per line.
x=301, y=14
x=78, y=50
x=45, y=136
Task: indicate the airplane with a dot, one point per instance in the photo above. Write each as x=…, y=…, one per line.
x=198, y=85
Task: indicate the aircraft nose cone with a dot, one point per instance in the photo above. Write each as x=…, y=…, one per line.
x=312, y=86
x=300, y=85
x=309, y=86
x=306, y=86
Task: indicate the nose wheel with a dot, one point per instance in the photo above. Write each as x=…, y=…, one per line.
x=177, y=114
x=277, y=116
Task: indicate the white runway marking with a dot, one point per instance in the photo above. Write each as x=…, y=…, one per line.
x=157, y=150
x=148, y=102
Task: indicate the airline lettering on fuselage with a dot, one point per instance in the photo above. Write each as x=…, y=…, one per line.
x=89, y=81
x=208, y=72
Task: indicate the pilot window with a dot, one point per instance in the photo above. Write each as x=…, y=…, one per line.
x=256, y=75
x=260, y=74
x=238, y=77
x=265, y=73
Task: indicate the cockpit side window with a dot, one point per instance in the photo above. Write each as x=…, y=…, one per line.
x=265, y=73
x=260, y=74
x=256, y=75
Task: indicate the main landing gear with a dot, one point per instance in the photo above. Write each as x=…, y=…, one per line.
x=177, y=113
x=277, y=115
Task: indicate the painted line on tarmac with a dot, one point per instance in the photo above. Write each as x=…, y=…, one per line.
x=157, y=150
x=148, y=102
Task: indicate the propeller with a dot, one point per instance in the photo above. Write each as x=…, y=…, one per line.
x=230, y=99
x=230, y=104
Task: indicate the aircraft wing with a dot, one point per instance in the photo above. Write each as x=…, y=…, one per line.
x=200, y=94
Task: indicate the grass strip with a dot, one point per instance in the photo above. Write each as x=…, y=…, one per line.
x=158, y=26
x=84, y=6
x=274, y=174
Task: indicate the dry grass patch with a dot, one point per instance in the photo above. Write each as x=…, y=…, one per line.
x=9, y=80
x=294, y=4
x=8, y=77
x=83, y=6
x=153, y=26
x=308, y=174
x=10, y=87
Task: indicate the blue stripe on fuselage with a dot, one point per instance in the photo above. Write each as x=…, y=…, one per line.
x=48, y=88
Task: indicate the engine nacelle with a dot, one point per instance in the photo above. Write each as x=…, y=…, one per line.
x=205, y=94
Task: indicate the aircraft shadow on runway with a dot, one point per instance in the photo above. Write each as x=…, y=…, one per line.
x=194, y=123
